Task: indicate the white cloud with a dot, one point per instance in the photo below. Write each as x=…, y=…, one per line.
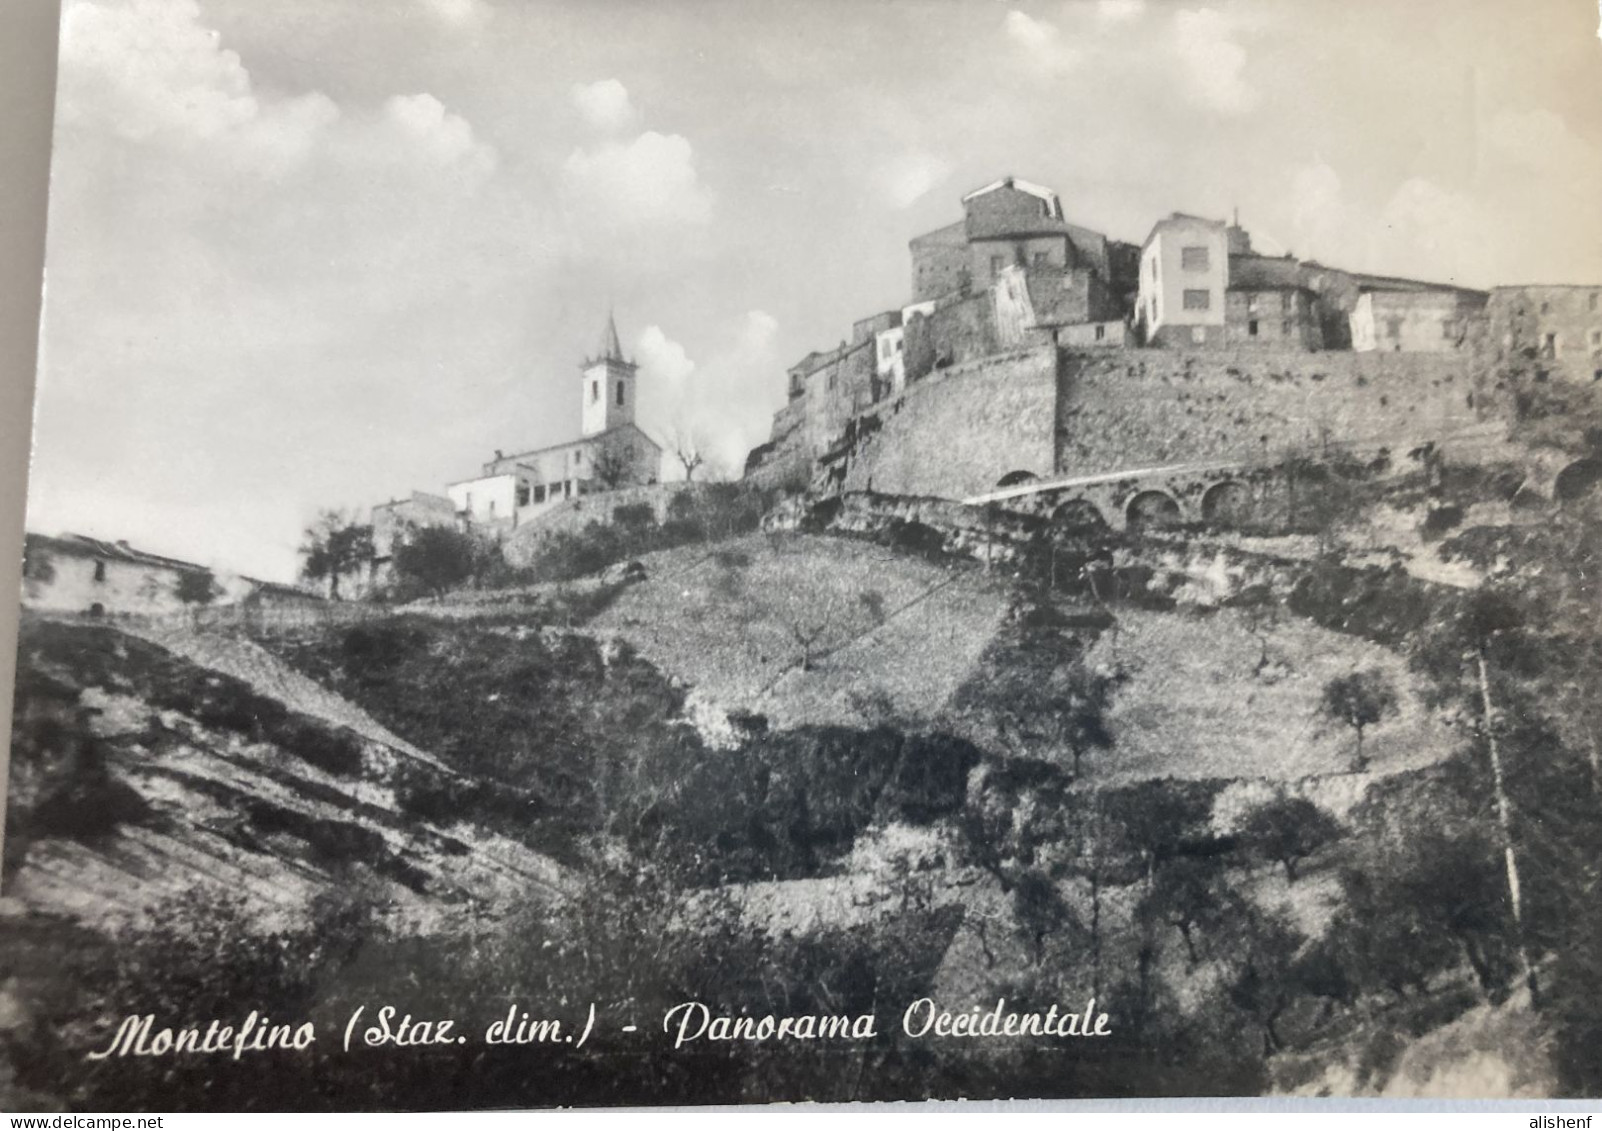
x=1212, y=61
x=1424, y=222
x=1041, y=43
x=148, y=71
x=640, y=184
x=458, y=13
x=727, y=404
x=604, y=105
x=665, y=370
x=1320, y=219
x=1120, y=11
x=760, y=328
x=432, y=133
x=906, y=179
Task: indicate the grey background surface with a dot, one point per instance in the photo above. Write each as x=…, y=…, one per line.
x=27, y=91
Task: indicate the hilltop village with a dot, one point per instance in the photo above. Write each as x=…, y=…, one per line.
x=1036, y=354
x=1044, y=366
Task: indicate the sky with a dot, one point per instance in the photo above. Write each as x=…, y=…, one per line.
x=321, y=253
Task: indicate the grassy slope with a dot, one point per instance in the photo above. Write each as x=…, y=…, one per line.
x=726, y=621
x=1196, y=708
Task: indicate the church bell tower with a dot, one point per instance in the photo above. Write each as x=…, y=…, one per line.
x=608, y=385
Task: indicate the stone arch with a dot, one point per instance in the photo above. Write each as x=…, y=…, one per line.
x=1228, y=503
x=1017, y=479
x=1153, y=508
x=1577, y=480
x=1078, y=514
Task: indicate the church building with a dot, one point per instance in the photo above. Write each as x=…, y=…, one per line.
x=612, y=451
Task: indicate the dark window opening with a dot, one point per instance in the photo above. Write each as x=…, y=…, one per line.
x=620, y=394
x=100, y=571
x=1194, y=258
x=1198, y=300
x=1251, y=328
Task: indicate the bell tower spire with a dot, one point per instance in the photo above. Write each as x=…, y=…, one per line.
x=608, y=384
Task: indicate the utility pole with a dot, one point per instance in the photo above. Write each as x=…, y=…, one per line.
x=1505, y=820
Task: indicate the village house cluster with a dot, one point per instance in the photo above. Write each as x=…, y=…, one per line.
x=1014, y=274
x=75, y=574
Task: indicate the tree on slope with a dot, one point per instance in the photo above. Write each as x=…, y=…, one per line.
x=335, y=545
x=1287, y=830
x=1360, y=700
x=437, y=558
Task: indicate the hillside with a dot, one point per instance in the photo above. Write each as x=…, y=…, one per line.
x=138, y=774
x=815, y=772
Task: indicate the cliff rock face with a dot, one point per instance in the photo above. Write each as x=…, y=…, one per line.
x=138, y=773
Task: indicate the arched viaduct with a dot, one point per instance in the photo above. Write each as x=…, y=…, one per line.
x=1236, y=495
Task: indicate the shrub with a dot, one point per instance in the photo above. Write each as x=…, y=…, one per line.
x=1440, y=520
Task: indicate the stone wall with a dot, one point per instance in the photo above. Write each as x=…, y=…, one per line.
x=574, y=515
x=952, y=334
x=960, y=430
x=1136, y=408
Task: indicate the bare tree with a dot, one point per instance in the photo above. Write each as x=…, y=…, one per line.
x=689, y=446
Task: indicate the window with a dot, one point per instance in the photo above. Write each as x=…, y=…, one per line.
x=595, y=391
x=100, y=570
x=1596, y=302
x=539, y=492
x=1198, y=300
x=1546, y=308
x=1393, y=327
x=1251, y=304
x=620, y=394
x=1549, y=345
x=1195, y=258
x=997, y=262
x=522, y=494
x=1596, y=340
x=578, y=456
x=1287, y=302
x=1101, y=331
x=1287, y=329
x=1251, y=328
x=1042, y=259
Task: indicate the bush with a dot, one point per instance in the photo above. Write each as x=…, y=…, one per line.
x=1440, y=520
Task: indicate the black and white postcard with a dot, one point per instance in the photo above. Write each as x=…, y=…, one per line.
x=699, y=552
